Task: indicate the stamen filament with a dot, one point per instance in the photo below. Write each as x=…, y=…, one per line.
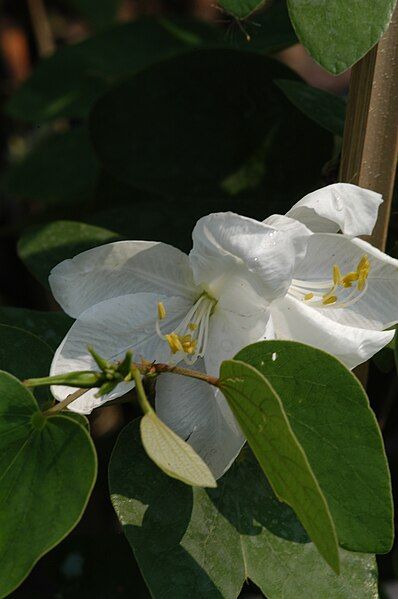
x=313, y=292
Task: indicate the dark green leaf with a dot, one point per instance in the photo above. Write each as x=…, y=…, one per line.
x=60, y=169
x=241, y=8
x=69, y=82
x=262, y=418
x=338, y=33
x=269, y=31
x=322, y=107
x=47, y=471
x=216, y=116
x=44, y=247
x=51, y=327
x=197, y=543
x=330, y=416
x=99, y=13
x=26, y=356
x=384, y=360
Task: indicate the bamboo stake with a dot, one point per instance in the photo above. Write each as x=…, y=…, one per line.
x=370, y=142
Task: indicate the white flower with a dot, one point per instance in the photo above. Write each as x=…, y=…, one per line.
x=167, y=306
x=344, y=291
x=242, y=282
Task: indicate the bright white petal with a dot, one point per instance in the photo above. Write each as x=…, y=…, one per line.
x=378, y=306
x=118, y=269
x=112, y=327
x=230, y=332
x=297, y=321
x=226, y=243
x=341, y=206
x=295, y=229
x=200, y=415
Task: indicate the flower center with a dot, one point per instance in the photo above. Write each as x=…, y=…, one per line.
x=340, y=291
x=189, y=338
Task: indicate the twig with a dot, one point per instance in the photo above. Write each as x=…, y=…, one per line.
x=41, y=27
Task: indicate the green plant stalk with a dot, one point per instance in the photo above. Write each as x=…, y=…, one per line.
x=144, y=369
x=141, y=395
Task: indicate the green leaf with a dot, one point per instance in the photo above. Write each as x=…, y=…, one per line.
x=47, y=471
x=324, y=108
x=241, y=8
x=69, y=82
x=338, y=33
x=42, y=248
x=269, y=31
x=79, y=418
x=99, y=13
x=26, y=356
x=61, y=169
x=330, y=415
x=262, y=418
x=175, y=457
x=205, y=543
x=50, y=327
x=249, y=126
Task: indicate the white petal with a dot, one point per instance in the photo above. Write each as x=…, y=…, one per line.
x=225, y=243
x=297, y=321
x=112, y=327
x=378, y=307
x=296, y=230
x=341, y=206
x=230, y=332
x=200, y=415
x=118, y=269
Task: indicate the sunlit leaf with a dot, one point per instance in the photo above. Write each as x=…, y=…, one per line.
x=262, y=418
x=172, y=454
x=338, y=33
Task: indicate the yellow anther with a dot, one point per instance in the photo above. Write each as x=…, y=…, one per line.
x=174, y=342
x=308, y=296
x=362, y=281
x=161, y=311
x=349, y=279
x=192, y=326
x=332, y=299
x=363, y=265
x=363, y=270
x=336, y=275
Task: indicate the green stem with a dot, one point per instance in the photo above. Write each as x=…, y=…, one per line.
x=65, y=402
x=141, y=395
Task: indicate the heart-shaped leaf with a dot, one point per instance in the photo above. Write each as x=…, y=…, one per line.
x=50, y=327
x=42, y=248
x=338, y=33
x=324, y=108
x=47, y=471
x=205, y=543
x=197, y=147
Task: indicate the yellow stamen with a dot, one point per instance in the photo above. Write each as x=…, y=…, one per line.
x=362, y=281
x=174, y=342
x=332, y=299
x=308, y=296
x=363, y=264
x=349, y=279
x=161, y=311
x=192, y=326
x=336, y=275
